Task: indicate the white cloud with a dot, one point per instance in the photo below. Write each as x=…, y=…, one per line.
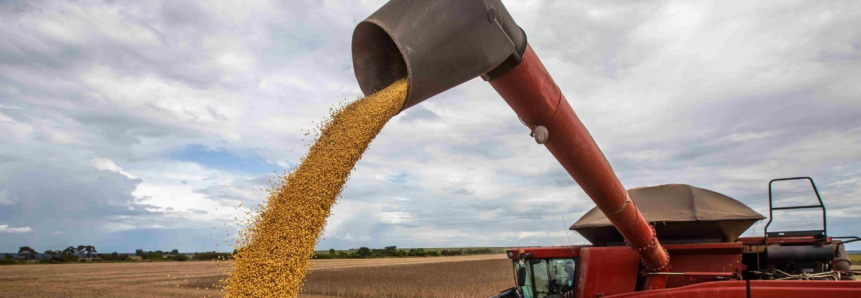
x=349, y=237
x=9, y=107
x=104, y=164
x=749, y=136
x=6, y=229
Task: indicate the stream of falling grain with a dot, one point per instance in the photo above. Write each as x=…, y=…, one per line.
x=274, y=250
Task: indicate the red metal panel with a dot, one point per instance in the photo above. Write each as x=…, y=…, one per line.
x=704, y=247
x=782, y=240
x=534, y=96
x=730, y=262
x=704, y=257
x=759, y=289
x=720, y=274
x=723, y=289
x=606, y=271
x=554, y=252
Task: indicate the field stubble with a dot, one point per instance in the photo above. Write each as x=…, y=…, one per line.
x=466, y=276
x=451, y=279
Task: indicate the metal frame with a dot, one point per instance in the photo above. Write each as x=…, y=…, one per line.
x=817, y=233
x=851, y=239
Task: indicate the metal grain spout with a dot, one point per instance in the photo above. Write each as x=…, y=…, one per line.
x=437, y=45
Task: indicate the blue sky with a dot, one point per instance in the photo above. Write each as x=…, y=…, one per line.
x=160, y=124
x=248, y=163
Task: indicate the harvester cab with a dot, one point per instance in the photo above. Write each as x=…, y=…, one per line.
x=437, y=45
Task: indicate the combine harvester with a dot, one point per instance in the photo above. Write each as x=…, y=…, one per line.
x=692, y=250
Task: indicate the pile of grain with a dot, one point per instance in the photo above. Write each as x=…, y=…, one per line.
x=274, y=250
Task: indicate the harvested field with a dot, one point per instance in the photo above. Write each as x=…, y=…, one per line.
x=158, y=279
x=855, y=258
x=465, y=276
x=348, y=263
x=459, y=279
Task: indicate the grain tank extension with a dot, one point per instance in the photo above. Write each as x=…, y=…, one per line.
x=680, y=213
x=694, y=252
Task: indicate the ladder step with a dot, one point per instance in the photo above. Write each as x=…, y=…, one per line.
x=797, y=207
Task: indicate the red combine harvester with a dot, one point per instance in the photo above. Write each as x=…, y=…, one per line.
x=700, y=230
x=691, y=249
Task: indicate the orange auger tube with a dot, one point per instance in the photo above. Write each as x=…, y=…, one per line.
x=537, y=100
x=438, y=45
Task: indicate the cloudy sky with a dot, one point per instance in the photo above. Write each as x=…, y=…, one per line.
x=145, y=124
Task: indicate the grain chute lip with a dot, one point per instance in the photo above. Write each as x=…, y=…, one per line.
x=371, y=46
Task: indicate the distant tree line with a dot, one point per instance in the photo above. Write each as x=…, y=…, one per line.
x=88, y=253
x=213, y=255
x=394, y=252
x=160, y=255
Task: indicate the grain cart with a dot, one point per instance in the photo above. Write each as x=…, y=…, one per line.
x=685, y=241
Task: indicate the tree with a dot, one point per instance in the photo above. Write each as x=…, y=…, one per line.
x=391, y=251
x=174, y=251
x=108, y=257
x=27, y=253
x=90, y=250
x=113, y=256
x=363, y=252
x=332, y=252
x=212, y=255
x=8, y=256
x=154, y=255
x=140, y=253
x=177, y=257
x=68, y=254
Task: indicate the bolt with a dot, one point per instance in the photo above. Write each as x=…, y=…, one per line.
x=491, y=15
x=540, y=134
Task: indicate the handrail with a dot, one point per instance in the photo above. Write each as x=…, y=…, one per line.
x=771, y=208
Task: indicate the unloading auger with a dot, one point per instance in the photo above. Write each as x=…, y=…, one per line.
x=438, y=45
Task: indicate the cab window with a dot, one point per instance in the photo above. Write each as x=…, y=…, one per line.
x=550, y=278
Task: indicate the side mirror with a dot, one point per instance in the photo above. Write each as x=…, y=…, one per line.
x=521, y=276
